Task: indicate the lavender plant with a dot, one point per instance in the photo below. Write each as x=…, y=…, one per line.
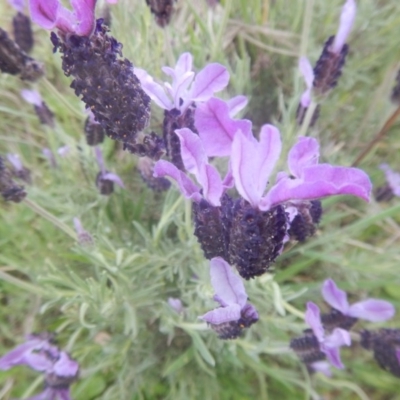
x=128, y=292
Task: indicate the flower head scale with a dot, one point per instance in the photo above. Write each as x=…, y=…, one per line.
x=310, y=180
x=186, y=87
x=234, y=312
x=50, y=14
x=373, y=310
x=328, y=344
x=196, y=162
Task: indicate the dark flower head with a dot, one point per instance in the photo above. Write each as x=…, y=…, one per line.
x=385, y=343
x=94, y=132
x=14, y=61
x=8, y=188
x=23, y=32
x=44, y=113
x=105, y=180
x=235, y=313
x=395, y=97
x=162, y=10
x=106, y=83
x=307, y=215
x=19, y=170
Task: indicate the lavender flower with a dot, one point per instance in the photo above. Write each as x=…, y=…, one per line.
x=392, y=187
x=395, y=96
x=84, y=238
x=162, y=10
x=186, y=87
x=345, y=315
x=234, y=313
x=329, y=345
x=107, y=84
x=22, y=26
x=305, y=100
x=19, y=170
x=175, y=304
x=179, y=99
x=385, y=343
x=105, y=180
x=9, y=190
x=40, y=354
x=33, y=97
x=14, y=61
x=94, y=132
x=329, y=66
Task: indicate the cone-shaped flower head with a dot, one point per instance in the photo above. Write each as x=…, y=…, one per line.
x=196, y=162
x=234, y=312
x=50, y=14
x=186, y=87
x=373, y=310
x=328, y=344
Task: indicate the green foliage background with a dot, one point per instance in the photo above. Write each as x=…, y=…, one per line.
x=108, y=303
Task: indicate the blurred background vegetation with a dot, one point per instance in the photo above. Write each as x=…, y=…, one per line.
x=108, y=302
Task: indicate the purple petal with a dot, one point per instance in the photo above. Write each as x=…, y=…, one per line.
x=313, y=320
x=18, y=355
x=15, y=161
x=212, y=78
x=346, y=23
x=303, y=154
x=216, y=127
x=222, y=315
x=331, y=346
x=372, y=310
x=236, y=104
x=112, y=1
x=99, y=158
x=63, y=151
x=307, y=71
x=65, y=366
x=319, y=181
x=184, y=63
x=212, y=185
x=155, y=91
x=109, y=176
x=252, y=162
x=164, y=168
x=193, y=156
x=175, y=304
x=398, y=355
x=32, y=97
x=178, y=90
x=84, y=13
x=392, y=177
x=335, y=297
x=227, y=285
x=249, y=312
x=323, y=367
x=19, y=5
x=44, y=12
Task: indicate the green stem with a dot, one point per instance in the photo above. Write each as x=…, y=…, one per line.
x=21, y=284
x=307, y=118
x=51, y=218
x=292, y=310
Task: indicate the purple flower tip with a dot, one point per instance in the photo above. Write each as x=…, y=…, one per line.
x=50, y=14
x=346, y=23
